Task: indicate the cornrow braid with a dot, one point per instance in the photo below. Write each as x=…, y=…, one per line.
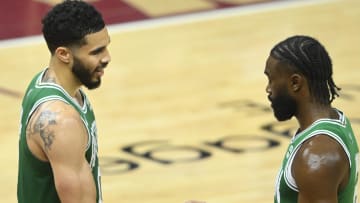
x=310, y=58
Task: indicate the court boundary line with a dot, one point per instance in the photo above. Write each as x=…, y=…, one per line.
x=179, y=19
x=213, y=15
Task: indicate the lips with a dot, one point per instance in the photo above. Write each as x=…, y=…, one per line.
x=99, y=71
x=271, y=102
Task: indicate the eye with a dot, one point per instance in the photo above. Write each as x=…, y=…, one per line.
x=97, y=51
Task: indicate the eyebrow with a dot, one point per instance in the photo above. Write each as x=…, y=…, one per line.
x=99, y=49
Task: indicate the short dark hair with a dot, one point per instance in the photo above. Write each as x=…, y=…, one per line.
x=309, y=57
x=69, y=22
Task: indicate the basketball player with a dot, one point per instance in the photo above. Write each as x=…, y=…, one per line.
x=58, y=142
x=320, y=164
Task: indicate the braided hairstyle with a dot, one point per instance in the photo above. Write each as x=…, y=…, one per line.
x=307, y=56
x=69, y=22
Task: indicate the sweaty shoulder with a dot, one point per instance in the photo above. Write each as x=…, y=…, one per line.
x=52, y=126
x=320, y=167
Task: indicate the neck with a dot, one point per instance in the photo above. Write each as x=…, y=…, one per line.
x=63, y=76
x=311, y=112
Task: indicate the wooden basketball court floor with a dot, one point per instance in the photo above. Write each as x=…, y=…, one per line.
x=182, y=112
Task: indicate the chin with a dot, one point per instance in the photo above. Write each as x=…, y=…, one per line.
x=283, y=118
x=93, y=85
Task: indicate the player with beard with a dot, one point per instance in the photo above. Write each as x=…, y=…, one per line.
x=58, y=148
x=320, y=164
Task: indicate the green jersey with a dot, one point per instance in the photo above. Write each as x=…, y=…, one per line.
x=338, y=129
x=35, y=177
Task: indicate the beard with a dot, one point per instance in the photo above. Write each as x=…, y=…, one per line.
x=284, y=106
x=85, y=75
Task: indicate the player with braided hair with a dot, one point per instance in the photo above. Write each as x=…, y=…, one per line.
x=320, y=164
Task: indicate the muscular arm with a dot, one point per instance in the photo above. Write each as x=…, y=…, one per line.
x=57, y=134
x=320, y=169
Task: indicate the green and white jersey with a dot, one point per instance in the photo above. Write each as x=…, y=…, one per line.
x=338, y=129
x=35, y=177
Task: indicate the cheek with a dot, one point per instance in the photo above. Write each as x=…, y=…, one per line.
x=91, y=63
x=276, y=89
x=95, y=62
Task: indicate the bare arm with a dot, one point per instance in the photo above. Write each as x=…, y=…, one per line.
x=320, y=169
x=61, y=136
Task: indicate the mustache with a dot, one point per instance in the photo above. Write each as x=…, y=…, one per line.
x=101, y=66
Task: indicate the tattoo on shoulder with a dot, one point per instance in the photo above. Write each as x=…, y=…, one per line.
x=43, y=126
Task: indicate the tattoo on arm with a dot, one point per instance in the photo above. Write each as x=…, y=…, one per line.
x=43, y=126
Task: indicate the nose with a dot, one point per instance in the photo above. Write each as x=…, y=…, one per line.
x=107, y=58
x=268, y=89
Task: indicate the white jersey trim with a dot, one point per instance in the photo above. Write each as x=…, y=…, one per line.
x=40, y=84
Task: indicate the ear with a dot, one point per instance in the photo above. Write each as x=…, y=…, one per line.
x=63, y=54
x=296, y=82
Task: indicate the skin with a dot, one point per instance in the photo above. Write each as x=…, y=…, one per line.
x=56, y=133
x=320, y=167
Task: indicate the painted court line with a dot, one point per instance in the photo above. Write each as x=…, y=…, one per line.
x=181, y=19
x=11, y=93
x=213, y=14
